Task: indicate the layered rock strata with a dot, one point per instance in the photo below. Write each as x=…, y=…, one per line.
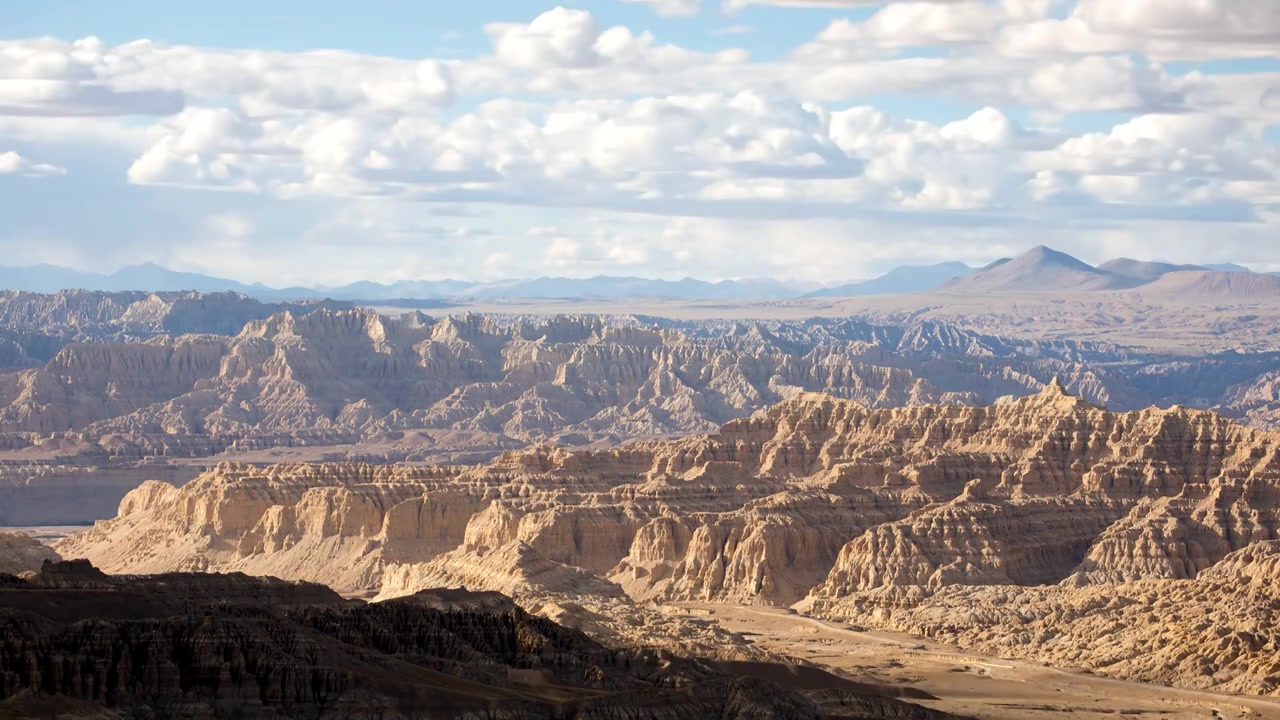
x=860, y=513
x=128, y=382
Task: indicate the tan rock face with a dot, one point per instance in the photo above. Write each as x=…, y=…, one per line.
x=358, y=372
x=122, y=382
x=937, y=519
x=1218, y=631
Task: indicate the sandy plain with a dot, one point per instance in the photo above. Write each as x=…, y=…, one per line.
x=969, y=684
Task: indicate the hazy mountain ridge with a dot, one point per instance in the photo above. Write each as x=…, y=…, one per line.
x=154, y=278
x=901, y=280
x=34, y=326
x=1045, y=270
x=1039, y=270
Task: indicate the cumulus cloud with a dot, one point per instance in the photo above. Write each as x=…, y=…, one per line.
x=1173, y=30
x=11, y=163
x=585, y=151
x=691, y=7
x=715, y=155
x=50, y=77
x=1247, y=21
x=635, y=155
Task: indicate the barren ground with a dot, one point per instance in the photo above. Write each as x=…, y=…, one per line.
x=1160, y=323
x=968, y=684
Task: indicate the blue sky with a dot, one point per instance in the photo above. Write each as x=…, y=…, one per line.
x=400, y=28
x=500, y=138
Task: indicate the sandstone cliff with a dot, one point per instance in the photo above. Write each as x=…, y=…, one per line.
x=870, y=514
x=127, y=381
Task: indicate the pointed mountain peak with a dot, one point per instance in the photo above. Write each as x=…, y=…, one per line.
x=1041, y=269
x=1054, y=387
x=1043, y=254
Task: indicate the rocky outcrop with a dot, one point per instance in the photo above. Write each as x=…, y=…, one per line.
x=1180, y=537
x=20, y=553
x=34, y=326
x=209, y=646
x=770, y=552
x=875, y=515
x=967, y=541
x=121, y=381
x=1217, y=631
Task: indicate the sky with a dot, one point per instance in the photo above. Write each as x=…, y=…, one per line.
x=327, y=141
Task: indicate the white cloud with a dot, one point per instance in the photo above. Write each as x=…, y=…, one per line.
x=638, y=156
x=1169, y=160
x=11, y=163
x=556, y=38
x=1159, y=29
x=588, y=151
x=1249, y=21
x=920, y=24
x=1093, y=83
x=50, y=77
x=719, y=155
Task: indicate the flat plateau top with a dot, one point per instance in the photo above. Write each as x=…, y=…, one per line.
x=1179, y=325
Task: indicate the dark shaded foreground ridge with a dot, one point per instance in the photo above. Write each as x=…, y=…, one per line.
x=77, y=643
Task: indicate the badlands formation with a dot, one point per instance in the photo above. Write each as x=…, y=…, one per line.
x=75, y=643
x=104, y=390
x=1140, y=545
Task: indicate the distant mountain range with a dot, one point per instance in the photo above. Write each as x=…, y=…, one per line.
x=900, y=281
x=154, y=278
x=1039, y=270
x=1044, y=269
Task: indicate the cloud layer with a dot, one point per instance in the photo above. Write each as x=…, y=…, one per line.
x=900, y=132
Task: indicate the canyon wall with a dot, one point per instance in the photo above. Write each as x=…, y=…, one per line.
x=881, y=516
x=105, y=390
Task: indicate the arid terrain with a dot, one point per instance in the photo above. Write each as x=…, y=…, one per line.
x=992, y=503
x=229, y=646
x=104, y=391
x=1139, y=546
x=640, y=360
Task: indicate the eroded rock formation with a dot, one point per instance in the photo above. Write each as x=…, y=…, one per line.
x=107, y=390
x=878, y=515
x=1217, y=631
x=184, y=645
